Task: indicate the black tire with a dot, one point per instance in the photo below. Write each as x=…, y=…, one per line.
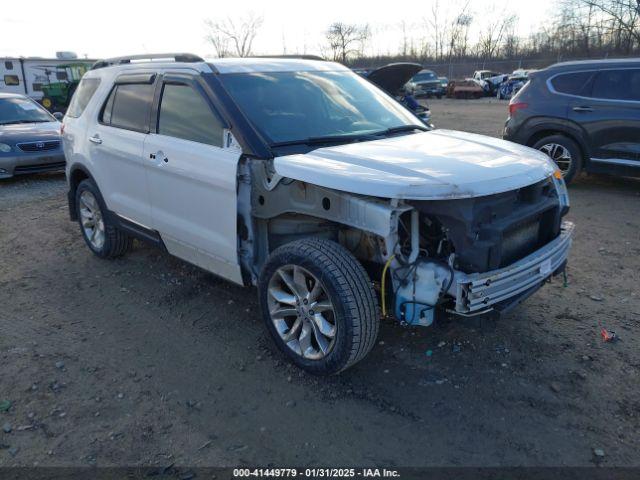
x=573, y=148
x=350, y=291
x=116, y=243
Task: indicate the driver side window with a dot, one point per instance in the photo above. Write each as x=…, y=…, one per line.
x=185, y=113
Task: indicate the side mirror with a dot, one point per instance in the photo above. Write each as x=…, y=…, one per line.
x=58, y=116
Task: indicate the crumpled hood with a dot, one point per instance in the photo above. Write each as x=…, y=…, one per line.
x=29, y=132
x=440, y=164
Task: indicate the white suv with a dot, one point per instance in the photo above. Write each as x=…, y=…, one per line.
x=302, y=178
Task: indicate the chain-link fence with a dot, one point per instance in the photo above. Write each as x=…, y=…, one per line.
x=464, y=69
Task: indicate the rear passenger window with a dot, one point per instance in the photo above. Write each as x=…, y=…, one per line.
x=184, y=113
x=129, y=106
x=571, y=83
x=82, y=95
x=617, y=85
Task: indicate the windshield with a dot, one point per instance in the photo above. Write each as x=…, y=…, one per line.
x=292, y=106
x=421, y=77
x=22, y=110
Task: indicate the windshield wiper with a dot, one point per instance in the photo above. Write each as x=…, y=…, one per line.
x=15, y=122
x=350, y=138
x=325, y=139
x=402, y=128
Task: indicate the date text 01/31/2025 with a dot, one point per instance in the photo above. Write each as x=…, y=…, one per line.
x=315, y=472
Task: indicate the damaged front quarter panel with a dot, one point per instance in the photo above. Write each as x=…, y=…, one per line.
x=264, y=198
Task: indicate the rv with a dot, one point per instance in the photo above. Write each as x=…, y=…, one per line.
x=50, y=82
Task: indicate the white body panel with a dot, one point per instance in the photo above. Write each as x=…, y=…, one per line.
x=120, y=168
x=434, y=165
x=194, y=201
x=190, y=200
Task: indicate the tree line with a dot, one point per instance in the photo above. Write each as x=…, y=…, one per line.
x=451, y=32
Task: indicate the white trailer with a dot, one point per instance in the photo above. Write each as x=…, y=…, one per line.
x=46, y=80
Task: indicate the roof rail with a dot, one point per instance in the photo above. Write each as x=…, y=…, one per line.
x=299, y=57
x=176, y=57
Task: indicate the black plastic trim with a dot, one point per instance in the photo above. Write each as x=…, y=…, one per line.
x=129, y=78
x=144, y=234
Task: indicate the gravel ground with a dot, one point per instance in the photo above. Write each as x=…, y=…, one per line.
x=148, y=361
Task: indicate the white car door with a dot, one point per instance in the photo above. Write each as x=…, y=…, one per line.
x=192, y=179
x=116, y=144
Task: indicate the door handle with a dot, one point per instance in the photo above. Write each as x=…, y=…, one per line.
x=153, y=156
x=95, y=139
x=582, y=109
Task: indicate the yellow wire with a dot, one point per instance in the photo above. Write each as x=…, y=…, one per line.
x=382, y=289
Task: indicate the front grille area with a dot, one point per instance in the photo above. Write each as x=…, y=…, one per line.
x=492, y=232
x=43, y=167
x=43, y=146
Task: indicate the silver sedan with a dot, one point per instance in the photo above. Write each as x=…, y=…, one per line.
x=29, y=137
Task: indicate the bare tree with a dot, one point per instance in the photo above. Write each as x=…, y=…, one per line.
x=624, y=17
x=438, y=31
x=458, y=33
x=234, y=36
x=492, y=36
x=346, y=40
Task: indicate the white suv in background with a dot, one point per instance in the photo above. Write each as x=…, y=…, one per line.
x=302, y=178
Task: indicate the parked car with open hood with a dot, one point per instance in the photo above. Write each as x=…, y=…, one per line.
x=307, y=181
x=584, y=115
x=29, y=137
x=393, y=79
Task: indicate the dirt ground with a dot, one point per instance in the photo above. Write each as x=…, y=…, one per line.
x=149, y=361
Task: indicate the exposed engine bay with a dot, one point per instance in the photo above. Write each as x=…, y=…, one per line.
x=467, y=256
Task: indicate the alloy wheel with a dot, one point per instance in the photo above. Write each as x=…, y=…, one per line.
x=302, y=312
x=91, y=219
x=558, y=154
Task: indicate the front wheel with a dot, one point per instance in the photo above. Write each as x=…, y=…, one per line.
x=318, y=305
x=564, y=152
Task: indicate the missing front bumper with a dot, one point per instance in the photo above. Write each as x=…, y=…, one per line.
x=478, y=292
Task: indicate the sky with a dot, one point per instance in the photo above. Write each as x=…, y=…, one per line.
x=120, y=27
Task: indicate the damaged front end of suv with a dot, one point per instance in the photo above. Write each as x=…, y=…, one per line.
x=429, y=248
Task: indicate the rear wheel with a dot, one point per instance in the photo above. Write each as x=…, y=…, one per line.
x=564, y=152
x=100, y=235
x=318, y=305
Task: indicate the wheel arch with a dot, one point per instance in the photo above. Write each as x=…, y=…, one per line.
x=541, y=128
x=77, y=173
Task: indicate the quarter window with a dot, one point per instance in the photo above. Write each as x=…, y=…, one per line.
x=129, y=106
x=617, y=85
x=184, y=113
x=82, y=95
x=11, y=80
x=571, y=83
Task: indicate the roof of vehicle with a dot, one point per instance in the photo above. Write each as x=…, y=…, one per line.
x=610, y=62
x=219, y=65
x=274, y=64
